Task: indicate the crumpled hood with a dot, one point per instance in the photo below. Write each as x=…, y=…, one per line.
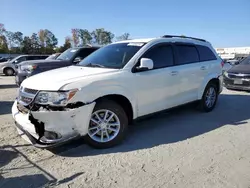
x=54, y=79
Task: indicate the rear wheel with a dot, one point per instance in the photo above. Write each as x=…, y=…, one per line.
x=108, y=125
x=209, y=98
x=8, y=72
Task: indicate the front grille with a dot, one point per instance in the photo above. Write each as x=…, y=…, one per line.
x=26, y=96
x=238, y=75
x=30, y=91
x=27, y=100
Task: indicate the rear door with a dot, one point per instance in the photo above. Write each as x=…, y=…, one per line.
x=187, y=66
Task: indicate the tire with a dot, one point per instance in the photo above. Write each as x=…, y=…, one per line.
x=119, y=117
x=8, y=72
x=205, y=106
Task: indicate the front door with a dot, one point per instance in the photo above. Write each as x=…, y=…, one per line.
x=156, y=89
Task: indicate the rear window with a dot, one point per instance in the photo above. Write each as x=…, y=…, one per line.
x=187, y=54
x=205, y=53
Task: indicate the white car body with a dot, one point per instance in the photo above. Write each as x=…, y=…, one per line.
x=147, y=92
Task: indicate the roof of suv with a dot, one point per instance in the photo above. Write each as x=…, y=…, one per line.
x=169, y=38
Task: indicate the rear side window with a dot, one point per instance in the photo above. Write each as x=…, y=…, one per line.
x=187, y=54
x=205, y=53
x=31, y=58
x=162, y=56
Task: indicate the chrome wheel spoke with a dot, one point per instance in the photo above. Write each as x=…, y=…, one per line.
x=106, y=115
x=104, y=126
x=102, y=136
x=113, y=124
x=93, y=128
x=93, y=134
x=107, y=134
x=112, y=129
x=93, y=120
x=98, y=117
x=110, y=117
x=210, y=97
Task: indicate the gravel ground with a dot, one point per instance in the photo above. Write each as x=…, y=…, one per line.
x=182, y=148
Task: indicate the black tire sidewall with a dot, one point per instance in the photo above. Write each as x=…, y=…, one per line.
x=6, y=71
x=119, y=111
x=203, y=100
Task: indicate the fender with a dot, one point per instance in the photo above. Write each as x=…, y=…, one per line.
x=93, y=91
x=205, y=82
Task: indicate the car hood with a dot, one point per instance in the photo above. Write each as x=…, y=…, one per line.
x=55, y=79
x=241, y=68
x=38, y=62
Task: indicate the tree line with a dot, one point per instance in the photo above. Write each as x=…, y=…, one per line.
x=45, y=42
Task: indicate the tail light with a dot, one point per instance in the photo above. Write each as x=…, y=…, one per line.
x=222, y=63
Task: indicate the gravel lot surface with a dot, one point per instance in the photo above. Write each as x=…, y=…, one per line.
x=182, y=148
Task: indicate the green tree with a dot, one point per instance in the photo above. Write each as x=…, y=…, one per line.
x=124, y=36
x=3, y=40
x=35, y=45
x=102, y=37
x=50, y=41
x=26, y=45
x=75, y=37
x=41, y=36
x=3, y=44
x=85, y=36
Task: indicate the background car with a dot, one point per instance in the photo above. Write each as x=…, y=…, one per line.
x=69, y=57
x=8, y=68
x=238, y=77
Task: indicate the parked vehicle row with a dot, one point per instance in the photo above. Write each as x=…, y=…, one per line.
x=101, y=95
x=8, y=68
x=69, y=57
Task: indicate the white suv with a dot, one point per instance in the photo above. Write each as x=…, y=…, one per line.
x=115, y=85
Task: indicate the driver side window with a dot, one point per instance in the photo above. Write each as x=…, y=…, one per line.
x=162, y=56
x=19, y=60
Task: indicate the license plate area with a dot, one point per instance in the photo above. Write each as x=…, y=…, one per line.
x=238, y=81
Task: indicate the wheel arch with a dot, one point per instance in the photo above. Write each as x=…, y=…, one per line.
x=123, y=101
x=211, y=78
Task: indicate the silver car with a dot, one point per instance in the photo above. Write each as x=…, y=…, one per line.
x=8, y=68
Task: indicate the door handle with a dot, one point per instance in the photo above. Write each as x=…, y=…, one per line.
x=203, y=68
x=174, y=73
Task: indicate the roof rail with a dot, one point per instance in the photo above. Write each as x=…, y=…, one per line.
x=176, y=36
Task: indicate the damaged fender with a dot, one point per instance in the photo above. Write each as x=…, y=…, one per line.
x=68, y=122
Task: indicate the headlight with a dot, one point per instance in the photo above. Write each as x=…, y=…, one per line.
x=225, y=74
x=28, y=68
x=59, y=98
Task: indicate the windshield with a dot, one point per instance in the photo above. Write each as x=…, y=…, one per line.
x=68, y=54
x=14, y=59
x=246, y=61
x=112, y=56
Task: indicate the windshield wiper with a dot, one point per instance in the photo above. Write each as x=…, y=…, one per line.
x=94, y=65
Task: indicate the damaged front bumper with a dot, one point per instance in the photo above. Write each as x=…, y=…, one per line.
x=47, y=129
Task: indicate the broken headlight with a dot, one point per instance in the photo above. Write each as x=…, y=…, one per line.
x=59, y=98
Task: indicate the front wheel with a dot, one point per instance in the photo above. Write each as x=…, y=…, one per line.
x=108, y=125
x=8, y=72
x=209, y=98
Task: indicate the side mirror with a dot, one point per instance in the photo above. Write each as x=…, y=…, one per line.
x=77, y=60
x=145, y=64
